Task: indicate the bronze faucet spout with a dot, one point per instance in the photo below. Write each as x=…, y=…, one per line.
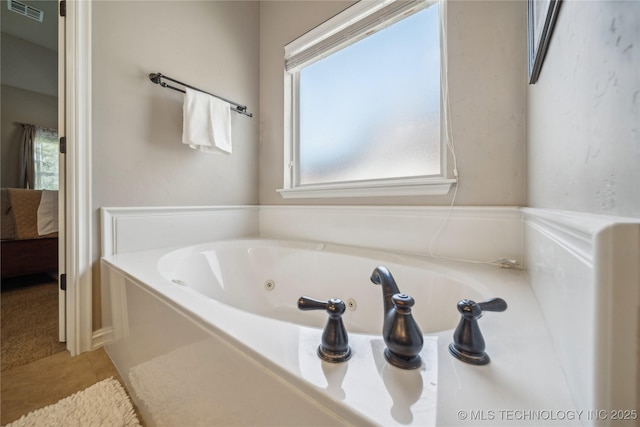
x=400, y=332
x=382, y=276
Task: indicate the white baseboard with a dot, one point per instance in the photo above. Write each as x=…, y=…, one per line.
x=101, y=337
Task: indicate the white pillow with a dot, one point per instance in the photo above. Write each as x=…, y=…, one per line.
x=48, y=213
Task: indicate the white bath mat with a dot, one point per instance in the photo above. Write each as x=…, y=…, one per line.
x=103, y=404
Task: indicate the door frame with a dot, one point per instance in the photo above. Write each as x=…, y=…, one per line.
x=62, y=294
x=78, y=213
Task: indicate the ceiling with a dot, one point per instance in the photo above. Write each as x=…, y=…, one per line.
x=41, y=33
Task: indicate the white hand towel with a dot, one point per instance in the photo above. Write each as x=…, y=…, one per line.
x=206, y=123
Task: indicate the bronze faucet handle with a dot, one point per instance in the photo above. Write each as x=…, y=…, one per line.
x=334, y=347
x=468, y=343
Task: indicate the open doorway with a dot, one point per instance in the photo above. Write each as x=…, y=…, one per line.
x=29, y=93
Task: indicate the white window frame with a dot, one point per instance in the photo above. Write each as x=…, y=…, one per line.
x=411, y=186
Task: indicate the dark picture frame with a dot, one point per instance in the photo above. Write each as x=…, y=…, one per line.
x=541, y=16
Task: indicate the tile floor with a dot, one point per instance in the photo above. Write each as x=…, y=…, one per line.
x=45, y=381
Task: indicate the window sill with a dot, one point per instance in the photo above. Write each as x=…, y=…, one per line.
x=416, y=187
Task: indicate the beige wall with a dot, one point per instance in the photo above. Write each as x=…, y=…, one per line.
x=29, y=95
x=29, y=66
x=487, y=74
x=21, y=106
x=584, y=112
x=138, y=157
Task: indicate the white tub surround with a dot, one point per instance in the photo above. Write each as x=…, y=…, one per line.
x=135, y=229
x=568, y=341
x=585, y=272
x=132, y=229
x=159, y=326
x=479, y=233
x=475, y=233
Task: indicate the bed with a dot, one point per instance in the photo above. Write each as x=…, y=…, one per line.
x=29, y=238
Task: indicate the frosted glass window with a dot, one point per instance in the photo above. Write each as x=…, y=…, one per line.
x=372, y=109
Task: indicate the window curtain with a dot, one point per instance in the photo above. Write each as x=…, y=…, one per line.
x=39, y=158
x=27, y=175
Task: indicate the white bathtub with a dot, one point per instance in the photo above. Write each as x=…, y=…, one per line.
x=276, y=273
x=211, y=335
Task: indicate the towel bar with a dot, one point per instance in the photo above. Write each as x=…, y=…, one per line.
x=157, y=79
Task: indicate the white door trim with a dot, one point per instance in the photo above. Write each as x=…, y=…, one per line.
x=62, y=260
x=78, y=217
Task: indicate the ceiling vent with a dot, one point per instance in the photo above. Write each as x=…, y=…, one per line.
x=25, y=10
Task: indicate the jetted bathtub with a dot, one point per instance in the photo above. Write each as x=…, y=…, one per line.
x=211, y=335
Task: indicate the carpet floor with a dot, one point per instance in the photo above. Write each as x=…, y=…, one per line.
x=29, y=320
